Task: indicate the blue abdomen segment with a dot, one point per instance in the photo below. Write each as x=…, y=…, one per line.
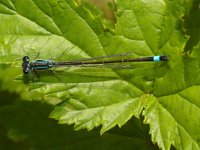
x=156, y=58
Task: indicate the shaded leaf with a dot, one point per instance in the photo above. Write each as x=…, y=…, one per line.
x=165, y=93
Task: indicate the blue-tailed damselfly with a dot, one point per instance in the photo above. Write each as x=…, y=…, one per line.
x=41, y=64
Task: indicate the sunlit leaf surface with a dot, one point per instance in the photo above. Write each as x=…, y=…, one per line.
x=164, y=93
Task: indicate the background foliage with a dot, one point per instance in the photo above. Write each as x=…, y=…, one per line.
x=161, y=99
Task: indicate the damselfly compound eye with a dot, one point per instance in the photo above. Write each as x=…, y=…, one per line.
x=26, y=70
x=26, y=59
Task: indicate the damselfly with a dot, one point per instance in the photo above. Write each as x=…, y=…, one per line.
x=42, y=64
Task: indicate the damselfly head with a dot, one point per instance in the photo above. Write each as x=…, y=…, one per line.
x=26, y=59
x=26, y=70
x=25, y=65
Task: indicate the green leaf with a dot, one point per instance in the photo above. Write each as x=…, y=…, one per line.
x=192, y=25
x=172, y=115
x=76, y=111
x=164, y=92
x=91, y=14
x=25, y=125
